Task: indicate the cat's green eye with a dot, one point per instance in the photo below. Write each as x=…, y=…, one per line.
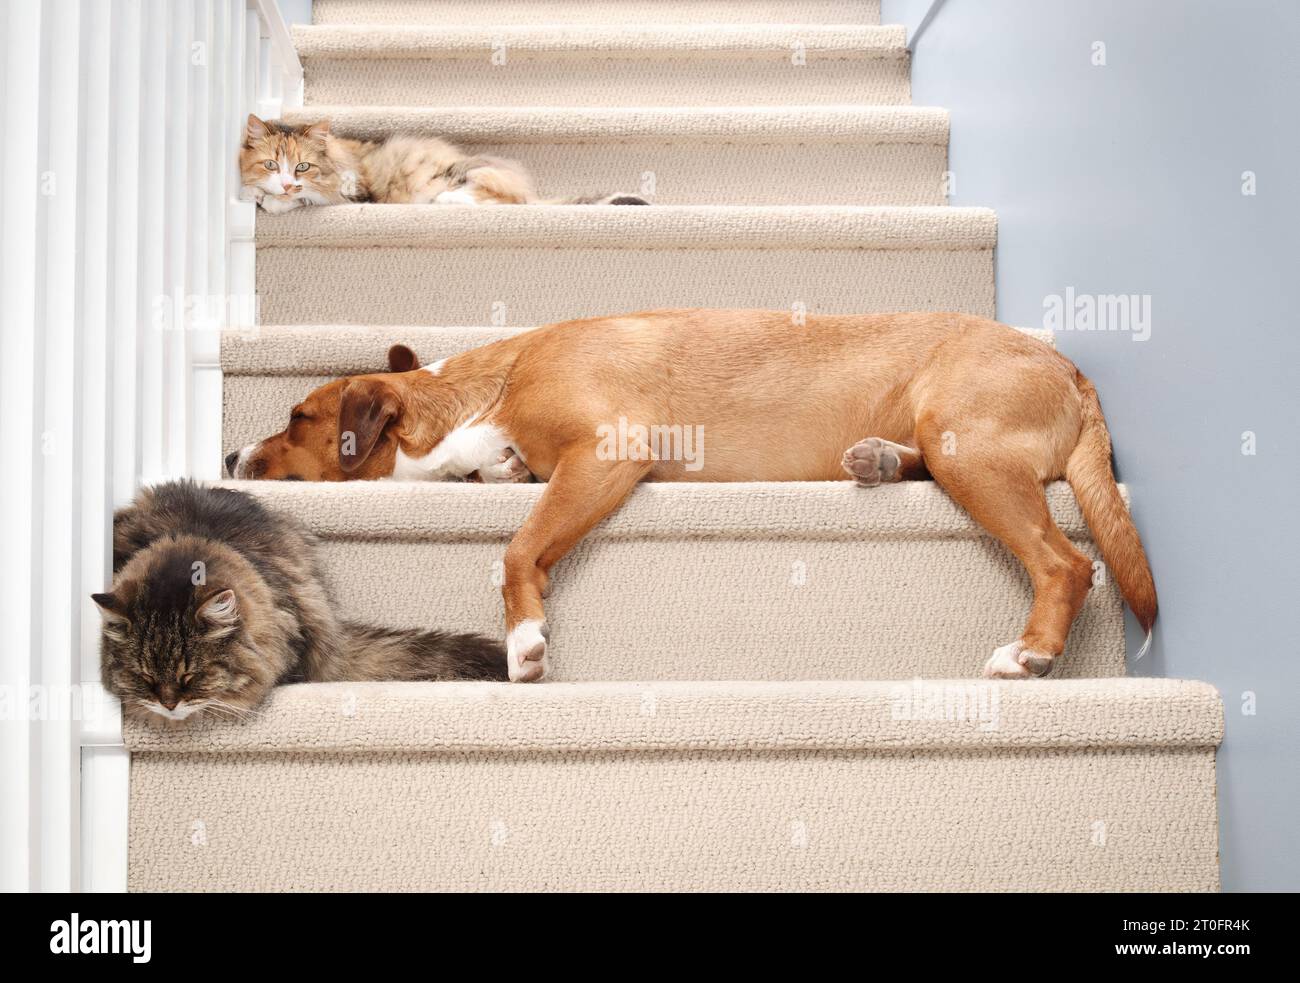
x=302, y=167
x=270, y=165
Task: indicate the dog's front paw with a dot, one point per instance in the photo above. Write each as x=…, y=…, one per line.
x=509, y=469
x=526, y=652
x=871, y=462
x=1017, y=661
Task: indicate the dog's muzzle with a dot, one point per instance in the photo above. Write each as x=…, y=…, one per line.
x=235, y=460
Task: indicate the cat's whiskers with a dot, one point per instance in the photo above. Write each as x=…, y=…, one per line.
x=243, y=713
x=216, y=711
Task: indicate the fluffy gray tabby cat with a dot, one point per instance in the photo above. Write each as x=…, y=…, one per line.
x=217, y=598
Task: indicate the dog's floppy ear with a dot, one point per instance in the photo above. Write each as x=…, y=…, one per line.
x=402, y=359
x=367, y=406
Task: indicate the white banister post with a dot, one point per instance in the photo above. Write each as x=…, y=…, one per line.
x=125, y=250
x=150, y=167
x=59, y=477
x=178, y=195
x=283, y=61
x=127, y=71
x=112, y=33
x=19, y=393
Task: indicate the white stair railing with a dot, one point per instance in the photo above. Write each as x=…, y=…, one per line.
x=123, y=252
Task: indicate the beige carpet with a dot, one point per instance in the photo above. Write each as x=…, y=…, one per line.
x=1086, y=785
x=600, y=65
x=415, y=264
x=755, y=686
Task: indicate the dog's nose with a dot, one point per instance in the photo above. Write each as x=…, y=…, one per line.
x=231, y=458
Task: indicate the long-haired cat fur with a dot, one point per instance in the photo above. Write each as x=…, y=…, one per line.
x=284, y=167
x=217, y=598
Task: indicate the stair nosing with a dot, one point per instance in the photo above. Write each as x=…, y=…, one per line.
x=649, y=42
x=753, y=125
x=443, y=511
x=758, y=717
x=691, y=227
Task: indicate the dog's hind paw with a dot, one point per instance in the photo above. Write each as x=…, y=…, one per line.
x=526, y=652
x=871, y=462
x=1016, y=661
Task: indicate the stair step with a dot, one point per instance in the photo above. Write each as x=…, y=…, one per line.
x=794, y=580
x=769, y=155
x=595, y=65
x=510, y=12
x=424, y=264
x=1050, y=785
x=269, y=368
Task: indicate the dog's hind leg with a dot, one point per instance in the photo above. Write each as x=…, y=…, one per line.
x=1003, y=493
x=582, y=490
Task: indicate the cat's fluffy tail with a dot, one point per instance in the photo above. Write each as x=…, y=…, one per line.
x=618, y=198
x=396, y=654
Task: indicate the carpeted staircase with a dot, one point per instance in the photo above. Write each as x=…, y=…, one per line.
x=754, y=686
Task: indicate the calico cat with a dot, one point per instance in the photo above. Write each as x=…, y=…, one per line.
x=283, y=167
x=217, y=598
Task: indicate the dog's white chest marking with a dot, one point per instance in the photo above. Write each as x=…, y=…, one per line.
x=470, y=446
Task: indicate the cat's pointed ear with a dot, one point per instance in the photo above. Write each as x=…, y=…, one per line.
x=318, y=130
x=113, y=613
x=257, y=128
x=220, y=611
x=402, y=359
x=367, y=406
x=110, y=608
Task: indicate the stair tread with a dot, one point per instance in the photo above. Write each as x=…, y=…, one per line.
x=821, y=41
x=595, y=64
x=785, y=227
x=851, y=123
x=605, y=11
x=467, y=512
x=719, y=715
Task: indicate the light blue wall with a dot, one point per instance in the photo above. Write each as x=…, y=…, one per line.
x=295, y=11
x=1127, y=178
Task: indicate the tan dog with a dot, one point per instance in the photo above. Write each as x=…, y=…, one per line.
x=595, y=406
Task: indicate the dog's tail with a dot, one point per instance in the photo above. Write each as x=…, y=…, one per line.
x=399, y=654
x=1089, y=472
